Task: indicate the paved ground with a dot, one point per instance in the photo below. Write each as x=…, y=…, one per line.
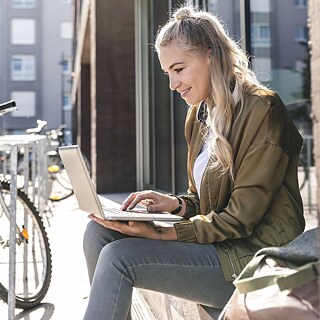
x=66, y=299
x=69, y=286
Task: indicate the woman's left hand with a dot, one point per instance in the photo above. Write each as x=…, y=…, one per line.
x=130, y=228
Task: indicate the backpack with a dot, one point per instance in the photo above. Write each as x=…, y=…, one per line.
x=279, y=283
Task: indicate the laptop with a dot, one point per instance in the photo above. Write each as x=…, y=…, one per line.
x=88, y=198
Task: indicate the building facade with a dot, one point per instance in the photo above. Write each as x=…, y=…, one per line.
x=36, y=61
x=127, y=120
x=314, y=18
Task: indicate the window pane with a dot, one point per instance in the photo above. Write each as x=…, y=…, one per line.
x=23, y=31
x=66, y=30
x=279, y=47
x=300, y=3
x=26, y=100
x=301, y=34
x=23, y=68
x=23, y=4
x=66, y=66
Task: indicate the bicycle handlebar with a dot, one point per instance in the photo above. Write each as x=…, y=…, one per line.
x=7, y=107
x=41, y=124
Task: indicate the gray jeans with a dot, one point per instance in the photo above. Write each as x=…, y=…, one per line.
x=117, y=263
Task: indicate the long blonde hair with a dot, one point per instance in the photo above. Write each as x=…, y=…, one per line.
x=202, y=31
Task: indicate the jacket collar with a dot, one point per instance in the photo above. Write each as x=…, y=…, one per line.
x=202, y=113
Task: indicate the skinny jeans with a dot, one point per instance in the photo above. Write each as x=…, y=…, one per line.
x=116, y=263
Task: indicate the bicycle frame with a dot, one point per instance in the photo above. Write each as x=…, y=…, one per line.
x=19, y=238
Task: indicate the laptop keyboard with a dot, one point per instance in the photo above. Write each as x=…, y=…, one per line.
x=135, y=212
x=139, y=213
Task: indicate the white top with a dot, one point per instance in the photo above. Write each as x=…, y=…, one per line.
x=200, y=165
x=204, y=155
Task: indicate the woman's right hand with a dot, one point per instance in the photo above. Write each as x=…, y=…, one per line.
x=153, y=201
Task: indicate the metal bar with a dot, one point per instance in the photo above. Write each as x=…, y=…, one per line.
x=245, y=26
x=26, y=168
x=308, y=138
x=12, y=240
x=33, y=171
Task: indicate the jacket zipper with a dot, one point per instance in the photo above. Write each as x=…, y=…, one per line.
x=234, y=275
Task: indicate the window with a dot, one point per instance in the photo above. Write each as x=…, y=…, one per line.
x=23, y=31
x=66, y=66
x=26, y=100
x=300, y=4
x=66, y=102
x=23, y=4
x=66, y=30
x=213, y=6
x=301, y=34
x=260, y=34
x=65, y=1
x=23, y=67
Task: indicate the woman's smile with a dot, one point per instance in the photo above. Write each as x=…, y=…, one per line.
x=189, y=74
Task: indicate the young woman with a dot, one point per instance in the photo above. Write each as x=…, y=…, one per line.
x=243, y=191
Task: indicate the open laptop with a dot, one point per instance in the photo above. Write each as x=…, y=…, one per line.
x=87, y=196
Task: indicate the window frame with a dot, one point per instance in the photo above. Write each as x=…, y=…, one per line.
x=26, y=73
x=23, y=4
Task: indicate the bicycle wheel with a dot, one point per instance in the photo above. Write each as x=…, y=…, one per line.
x=57, y=191
x=60, y=187
x=33, y=255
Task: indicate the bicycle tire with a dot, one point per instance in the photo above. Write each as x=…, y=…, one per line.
x=37, y=284
x=60, y=186
x=58, y=191
x=59, y=196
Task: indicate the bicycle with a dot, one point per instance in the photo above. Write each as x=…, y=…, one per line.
x=58, y=186
x=33, y=253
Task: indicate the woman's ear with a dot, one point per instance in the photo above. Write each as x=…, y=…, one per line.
x=209, y=56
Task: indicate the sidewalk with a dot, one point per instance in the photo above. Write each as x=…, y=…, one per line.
x=69, y=285
x=67, y=296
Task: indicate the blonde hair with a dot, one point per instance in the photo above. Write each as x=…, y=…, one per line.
x=202, y=31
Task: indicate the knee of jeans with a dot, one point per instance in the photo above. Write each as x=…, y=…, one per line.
x=114, y=254
x=90, y=235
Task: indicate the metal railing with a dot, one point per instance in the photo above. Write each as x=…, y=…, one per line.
x=35, y=148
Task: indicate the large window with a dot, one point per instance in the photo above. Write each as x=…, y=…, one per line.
x=283, y=64
x=23, y=31
x=23, y=68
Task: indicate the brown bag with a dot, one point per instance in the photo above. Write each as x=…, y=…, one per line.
x=271, y=288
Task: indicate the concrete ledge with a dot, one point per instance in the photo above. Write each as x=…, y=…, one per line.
x=166, y=307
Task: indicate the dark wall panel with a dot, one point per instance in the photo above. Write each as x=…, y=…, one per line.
x=115, y=96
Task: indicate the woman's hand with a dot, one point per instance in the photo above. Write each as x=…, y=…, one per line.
x=138, y=229
x=153, y=201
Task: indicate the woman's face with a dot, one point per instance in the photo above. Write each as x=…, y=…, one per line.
x=188, y=73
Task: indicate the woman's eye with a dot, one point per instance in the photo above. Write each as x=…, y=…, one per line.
x=178, y=70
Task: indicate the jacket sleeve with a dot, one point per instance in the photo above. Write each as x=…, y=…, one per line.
x=257, y=180
x=191, y=200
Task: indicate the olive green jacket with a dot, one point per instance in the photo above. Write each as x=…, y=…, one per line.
x=263, y=206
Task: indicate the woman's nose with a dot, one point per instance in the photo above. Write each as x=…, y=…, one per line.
x=174, y=83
